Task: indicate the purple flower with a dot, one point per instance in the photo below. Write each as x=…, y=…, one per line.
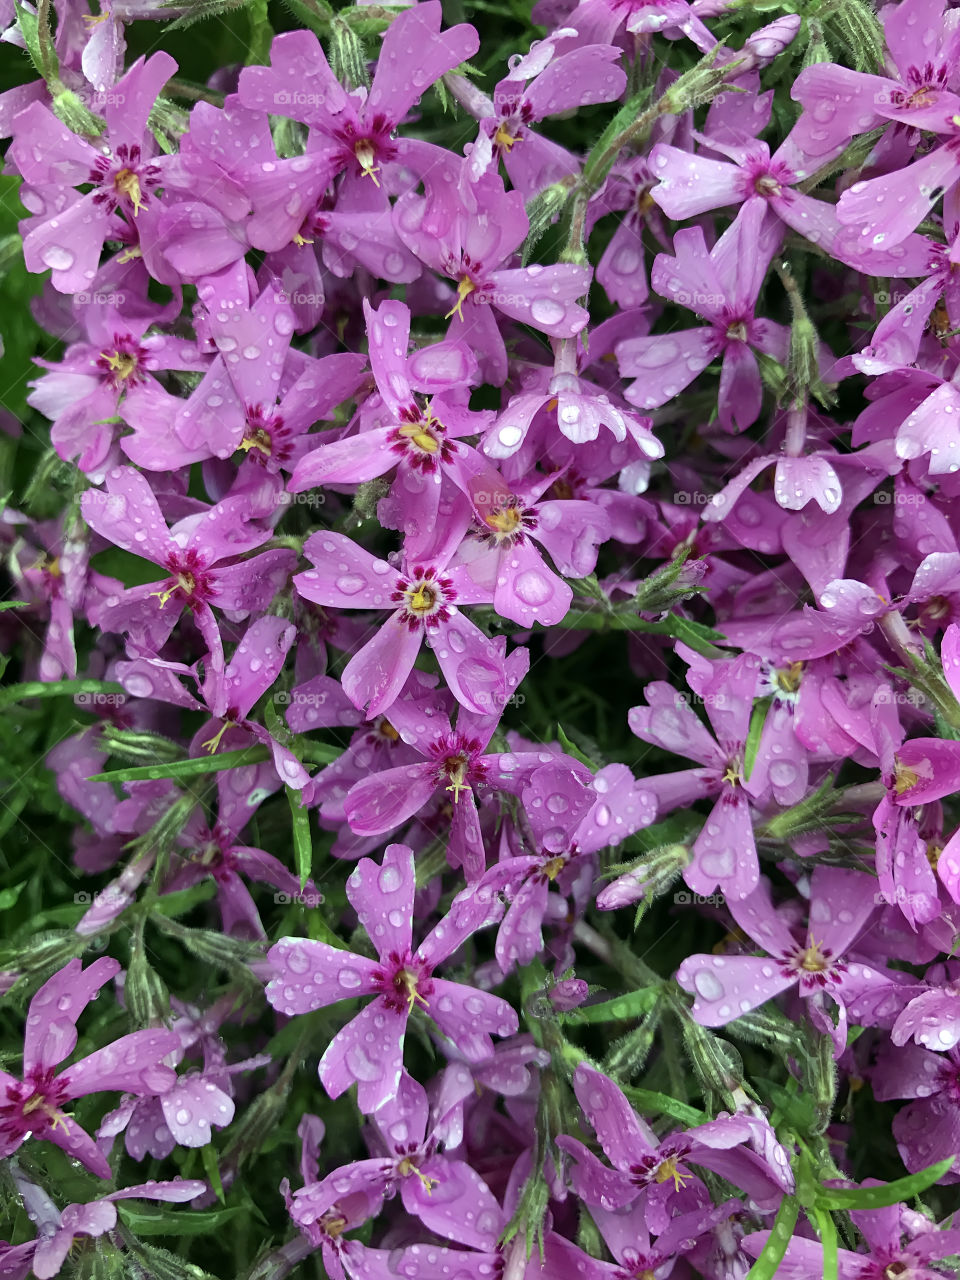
x=655, y=1172
x=722, y=285
x=425, y=598
x=123, y=176
x=822, y=965
x=58, y=1229
x=368, y=1051
x=33, y=1106
x=193, y=552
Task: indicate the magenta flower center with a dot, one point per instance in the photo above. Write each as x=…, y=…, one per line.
x=190, y=581
x=424, y=598
x=403, y=981
x=123, y=363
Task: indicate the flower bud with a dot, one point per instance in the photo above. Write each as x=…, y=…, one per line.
x=649, y=878
x=770, y=41
x=68, y=108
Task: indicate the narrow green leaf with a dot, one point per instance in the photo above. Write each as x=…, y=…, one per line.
x=652, y=1103
x=168, y=1222
x=758, y=719
x=212, y=1169
x=632, y=1005
x=573, y=750
x=181, y=901
x=14, y=604
x=302, y=840
x=768, y=1264
x=9, y=896
x=185, y=768
x=883, y=1196
x=828, y=1237
x=54, y=688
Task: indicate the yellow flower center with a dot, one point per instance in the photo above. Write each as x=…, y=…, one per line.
x=505, y=522
x=258, y=439
x=419, y=433
x=464, y=289
x=365, y=158
x=422, y=598
x=553, y=868
x=812, y=960
x=667, y=1170
x=504, y=138
x=128, y=184
x=903, y=778
x=788, y=678
x=122, y=363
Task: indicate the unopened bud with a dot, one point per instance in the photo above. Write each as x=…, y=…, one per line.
x=347, y=57
x=542, y=212
x=858, y=30
x=231, y=955
x=770, y=41
x=568, y=994
x=138, y=746
x=649, y=878
x=717, y=1063
x=68, y=109
x=700, y=84
x=626, y=1059
x=144, y=992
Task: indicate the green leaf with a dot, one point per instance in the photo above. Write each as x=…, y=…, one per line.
x=572, y=750
x=212, y=1169
x=169, y=1222
x=652, y=1103
x=758, y=718
x=883, y=1196
x=632, y=1005
x=302, y=840
x=828, y=1237
x=55, y=688
x=9, y=896
x=186, y=768
x=180, y=901
x=768, y=1263
x=14, y=604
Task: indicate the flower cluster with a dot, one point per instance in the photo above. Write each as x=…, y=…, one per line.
x=503, y=551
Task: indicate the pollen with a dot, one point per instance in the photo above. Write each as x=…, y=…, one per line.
x=903, y=778
x=365, y=157
x=122, y=363
x=505, y=139
x=553, y=868
x=464, y=290
x=405, y=982
x=667, y=1170
x=419, y=434
x=422, y=598
x=128, y=184
x=505, y=522
x=259, y=439
x=812, y=960
x=455, y=768
x=788, y=678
